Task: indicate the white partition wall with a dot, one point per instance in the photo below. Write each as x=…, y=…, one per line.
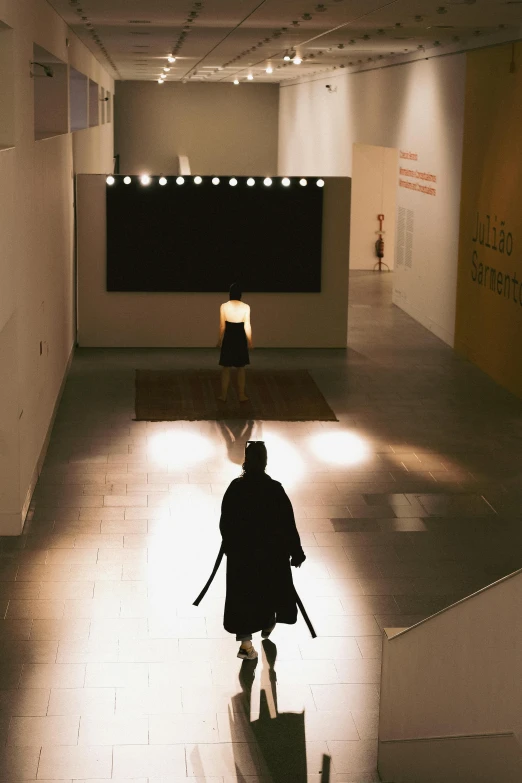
x=190, y=320
x=417, y=108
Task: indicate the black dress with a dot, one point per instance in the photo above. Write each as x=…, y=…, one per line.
x=259, y=537
x=234, y=348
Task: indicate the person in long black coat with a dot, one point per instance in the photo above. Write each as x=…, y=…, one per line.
x=261, y=542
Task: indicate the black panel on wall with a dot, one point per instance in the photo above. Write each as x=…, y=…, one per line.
x=201, y=237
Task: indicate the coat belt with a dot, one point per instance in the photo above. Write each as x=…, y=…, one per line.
x=219, y=558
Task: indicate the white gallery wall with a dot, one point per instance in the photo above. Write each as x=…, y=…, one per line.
x=220, y=128
x=417, y=108
x=37, y=329
x=190, y=320
x=374, y=192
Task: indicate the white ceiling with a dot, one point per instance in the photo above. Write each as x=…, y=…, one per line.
x=219, y=40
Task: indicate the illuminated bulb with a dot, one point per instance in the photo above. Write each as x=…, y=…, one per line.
x=269, y=69
x=127, y=180
x=287, y=57
x=285, y=181
x=236, y=81
x=162, y=180
x=145, y=179
x=297, y=61
x=215, y=180
x=303, y=182
x=320, y=183
x=171, y=59
x=110, y=180
x=250, y=77
x=267, y=181
x=232, y=182
x=180, y=180
x=160, y=81
x=197, y=180
x=251, y=181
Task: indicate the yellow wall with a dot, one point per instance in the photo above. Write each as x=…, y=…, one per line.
x=489, y=293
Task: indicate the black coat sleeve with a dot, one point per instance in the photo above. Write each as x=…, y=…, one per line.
x=291, y=535
x=228, y=515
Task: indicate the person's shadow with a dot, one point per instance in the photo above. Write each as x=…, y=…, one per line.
x=235, y=434
x=279, y=737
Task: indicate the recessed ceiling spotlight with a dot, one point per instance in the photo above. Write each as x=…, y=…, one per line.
x=162, y=180
x=171, y=59
x=297, y=60
x=269, y=69
x=232, y=182
x=340, y=46
x=320, y=183
x=250, y=77
x=442, y=10
x=267, y=181
x=380, y=31
x=145, y=179
x=180, y=180
x=197, y=180
x=285, y=181
x=215, y=180
x=160, y=81
x=127, y=180
x=166, y=68
x=251, y=181
x=287, y=57
x=303, y=182
x=110, y=180
x=236, y=81
x=306, y=17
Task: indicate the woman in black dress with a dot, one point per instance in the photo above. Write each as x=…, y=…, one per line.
x=259, y=538
x=235, y=338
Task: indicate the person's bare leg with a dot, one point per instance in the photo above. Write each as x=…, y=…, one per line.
x=241, y=382
x=225, y=380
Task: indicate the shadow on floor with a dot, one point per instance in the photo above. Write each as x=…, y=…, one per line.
x=278, y=738
x=235, y=435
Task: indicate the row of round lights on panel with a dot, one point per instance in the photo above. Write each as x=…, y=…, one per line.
x=146, y=179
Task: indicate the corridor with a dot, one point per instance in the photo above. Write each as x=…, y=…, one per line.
x=407, y=504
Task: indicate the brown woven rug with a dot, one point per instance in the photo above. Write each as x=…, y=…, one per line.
x=191, y=395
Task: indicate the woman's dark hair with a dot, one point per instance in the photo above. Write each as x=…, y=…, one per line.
x=255, y=458
x=235, y=291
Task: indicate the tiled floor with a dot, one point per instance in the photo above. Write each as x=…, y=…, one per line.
x=408, y=503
